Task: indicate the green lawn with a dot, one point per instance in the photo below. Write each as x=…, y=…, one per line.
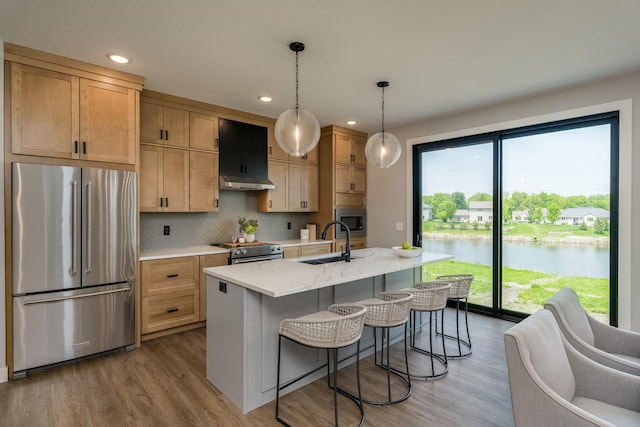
x=517, y=229
x=525, y=290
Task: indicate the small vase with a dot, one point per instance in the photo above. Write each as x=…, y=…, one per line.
x=249, y=237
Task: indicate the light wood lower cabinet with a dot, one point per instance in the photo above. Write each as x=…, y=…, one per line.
x=355, y=243
x=207, y=261
x=307, y=250
x=170, y=293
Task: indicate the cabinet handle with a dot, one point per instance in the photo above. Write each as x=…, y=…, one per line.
x=172, y=310
x=169, y=276
x=161, y=133
x=166, y=135
x=161, y=200
x=217, y=203
x=217, y=142
x=270, y=150
x=84, y=147
x=166, y=202
x=75, y=147
x=304, y=157
x=270, y=203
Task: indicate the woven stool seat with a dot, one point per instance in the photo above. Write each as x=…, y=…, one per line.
x=387, y=310
x=460, y=288
x=339, y=326
x=430, y=297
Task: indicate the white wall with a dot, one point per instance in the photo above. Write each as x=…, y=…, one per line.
x=3, y=338
x=389, y=194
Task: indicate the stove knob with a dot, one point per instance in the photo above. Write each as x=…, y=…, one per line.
x=237, y=252
x=243, y=251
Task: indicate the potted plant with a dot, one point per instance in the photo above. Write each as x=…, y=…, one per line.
x=248, y=228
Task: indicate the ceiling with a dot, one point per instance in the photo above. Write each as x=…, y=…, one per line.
x=439, y=56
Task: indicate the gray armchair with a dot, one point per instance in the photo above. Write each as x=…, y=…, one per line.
x=553, y=384
x=607, y=345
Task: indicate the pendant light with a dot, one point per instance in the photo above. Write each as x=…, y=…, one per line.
x=297, y=130
x=383, y=148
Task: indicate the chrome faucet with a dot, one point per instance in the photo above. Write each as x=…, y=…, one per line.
x=346, y=254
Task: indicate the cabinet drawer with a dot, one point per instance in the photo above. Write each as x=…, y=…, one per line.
x=169, y=275
x=170, y=310
x=317, y=249
x=347, y=200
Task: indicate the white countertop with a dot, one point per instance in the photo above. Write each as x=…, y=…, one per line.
x=282, y=277
x=150, y=254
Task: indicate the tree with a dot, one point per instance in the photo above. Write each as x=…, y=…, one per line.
x=446, y=211
x=436, y=200
x=459, y=199
x=553, y=212
x=507, y=209
x=481, y=197
x=600, y=226
x=537, y=215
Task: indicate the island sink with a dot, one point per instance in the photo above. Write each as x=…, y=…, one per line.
x=325, y=260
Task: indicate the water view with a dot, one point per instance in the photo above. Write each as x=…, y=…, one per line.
x=560, y=260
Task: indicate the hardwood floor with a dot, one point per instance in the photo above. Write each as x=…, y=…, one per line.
x=163, y=383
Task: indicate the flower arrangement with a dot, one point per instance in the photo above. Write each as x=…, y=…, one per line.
x=248, y=226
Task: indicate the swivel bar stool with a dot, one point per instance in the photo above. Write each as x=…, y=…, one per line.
x=429, y=297
x=385, y=311
x=339, y=326
x=460, y=286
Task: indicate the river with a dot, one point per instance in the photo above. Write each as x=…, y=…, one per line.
x=561, y=260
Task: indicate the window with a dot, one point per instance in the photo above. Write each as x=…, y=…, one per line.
x=551, y=194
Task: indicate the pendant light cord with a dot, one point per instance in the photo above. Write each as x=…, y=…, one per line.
x=297, y=104
x=382, y=115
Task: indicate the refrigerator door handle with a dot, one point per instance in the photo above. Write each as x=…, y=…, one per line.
x=28, y=301
x=74, y=228
x=88, y=229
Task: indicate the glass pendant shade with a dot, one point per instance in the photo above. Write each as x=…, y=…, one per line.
x=382, y=150
x=297, y=132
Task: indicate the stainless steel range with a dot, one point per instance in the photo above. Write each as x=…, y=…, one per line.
x=240, y=253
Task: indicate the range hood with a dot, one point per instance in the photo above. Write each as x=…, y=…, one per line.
x=243, y=156
x=245, y=183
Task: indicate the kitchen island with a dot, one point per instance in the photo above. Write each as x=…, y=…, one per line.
x=246, y=302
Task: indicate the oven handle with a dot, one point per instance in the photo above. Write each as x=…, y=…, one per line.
x=255, y=259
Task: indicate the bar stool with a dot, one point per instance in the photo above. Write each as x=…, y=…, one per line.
x=339, y=326
x=388, y=310
x=460, y=286
x=429, y=297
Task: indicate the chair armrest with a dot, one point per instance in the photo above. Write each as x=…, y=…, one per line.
x=603, y=383
x=615, y=340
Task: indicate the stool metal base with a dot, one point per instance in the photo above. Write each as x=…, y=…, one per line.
x=404, y=376
x=357, y=400
x=442, y=359
x=461, y=342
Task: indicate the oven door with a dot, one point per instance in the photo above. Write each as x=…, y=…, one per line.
x=255, y=259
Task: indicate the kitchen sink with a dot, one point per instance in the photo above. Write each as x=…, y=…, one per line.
x=324, y=260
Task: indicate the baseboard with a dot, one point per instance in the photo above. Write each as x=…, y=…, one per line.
x=4, y=374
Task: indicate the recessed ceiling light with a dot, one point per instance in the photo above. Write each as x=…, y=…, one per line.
x=351, y=122
x=118, y=58
x=265, y=98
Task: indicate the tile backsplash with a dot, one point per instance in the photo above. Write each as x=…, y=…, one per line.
x=188, y=229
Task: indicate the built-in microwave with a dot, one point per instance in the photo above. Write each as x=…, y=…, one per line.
x=356, y=220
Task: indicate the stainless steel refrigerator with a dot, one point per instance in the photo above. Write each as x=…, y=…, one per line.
x=73, y=263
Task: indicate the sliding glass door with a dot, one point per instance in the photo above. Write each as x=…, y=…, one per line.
x=528, y=211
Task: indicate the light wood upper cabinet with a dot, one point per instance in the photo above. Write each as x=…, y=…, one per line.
x=303, y=188
x=274, y=151
x=60, y=115
x=350, y=179
x=164, y=125
x=164, y=179
x=203, y=181
x=310, y=157
x=107, y=122
x=276, y=200
x=203, y=131
x=350, y=150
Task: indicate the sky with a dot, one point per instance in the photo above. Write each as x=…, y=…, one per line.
x=568, y=163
